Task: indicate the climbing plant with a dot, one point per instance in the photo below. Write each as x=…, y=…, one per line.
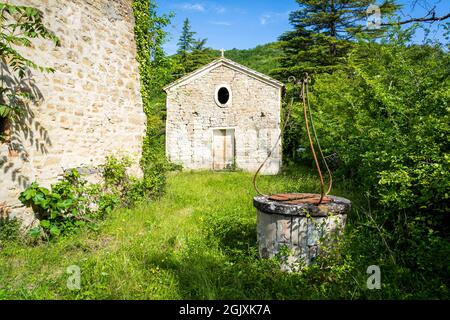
x=154, y=72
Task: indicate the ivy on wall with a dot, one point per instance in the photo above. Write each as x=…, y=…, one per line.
x=149, y=36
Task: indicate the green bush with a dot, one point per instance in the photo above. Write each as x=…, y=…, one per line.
x=387, y=117
x=73, y=202
x=131, y=190
x=66, y=206
x=114, y=172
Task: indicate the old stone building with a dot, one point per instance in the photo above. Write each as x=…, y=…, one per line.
x=89, y=108
x=224, y=115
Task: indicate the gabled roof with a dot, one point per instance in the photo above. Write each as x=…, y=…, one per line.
x=224, y=62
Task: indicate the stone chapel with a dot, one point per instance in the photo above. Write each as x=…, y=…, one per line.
x=224, y=116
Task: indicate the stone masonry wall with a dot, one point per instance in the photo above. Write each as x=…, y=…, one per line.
x=254, y=113
x=89, y=108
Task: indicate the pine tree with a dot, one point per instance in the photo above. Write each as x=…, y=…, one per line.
x=200, y=44
x=186, y=41
x=323, y=34
x=199, y=56
x=192, y=53
x=186, y=44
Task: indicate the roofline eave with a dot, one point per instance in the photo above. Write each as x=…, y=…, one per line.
x=238, y=67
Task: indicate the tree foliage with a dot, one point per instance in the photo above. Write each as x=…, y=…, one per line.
x=19, y=25
x=186, y=42
x=323, y=30
x=192, y=53
x=387, y=117
x=262, y=58
x=155, y=71
x=383, y=119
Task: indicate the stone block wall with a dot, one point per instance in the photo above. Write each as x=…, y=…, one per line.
x=299, y=232
x=254, y=114
x=89, y=108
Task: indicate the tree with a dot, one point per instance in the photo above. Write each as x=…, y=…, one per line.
x=186, y=42
x=192, y=52
x=18, y=26
x=159, y=64
x=263, y=58
x=387, y=118
x=185, y=45
x=199, y=56
x=200, y=44
x=322, y=35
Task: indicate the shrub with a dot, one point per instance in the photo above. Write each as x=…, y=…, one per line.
x=64, y=207
x=387, y=118
x=155, y=73
x=386, y=115
x=114, y=172
x=73, y=202
x=130, y=189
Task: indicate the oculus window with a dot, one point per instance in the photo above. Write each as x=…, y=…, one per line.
x=223, y=96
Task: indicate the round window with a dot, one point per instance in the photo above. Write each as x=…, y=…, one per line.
x=223, y=95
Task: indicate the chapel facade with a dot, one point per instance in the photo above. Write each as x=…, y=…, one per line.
x=224, y=116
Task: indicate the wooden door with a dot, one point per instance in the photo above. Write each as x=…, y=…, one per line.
x=223, y=149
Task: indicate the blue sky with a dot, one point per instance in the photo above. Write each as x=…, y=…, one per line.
x=244, y=24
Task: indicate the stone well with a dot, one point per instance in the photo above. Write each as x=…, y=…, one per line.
x=297, y=232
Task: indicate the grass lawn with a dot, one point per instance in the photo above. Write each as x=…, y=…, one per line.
x=197, y=242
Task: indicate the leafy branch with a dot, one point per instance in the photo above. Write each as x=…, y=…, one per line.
x=18, y=26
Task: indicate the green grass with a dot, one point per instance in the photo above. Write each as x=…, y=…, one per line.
x=196, y=242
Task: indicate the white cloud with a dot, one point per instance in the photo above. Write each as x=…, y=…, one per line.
x=221, y=23
x=271, y=17
x=201, y=7
x=219, y=9
x=191, y=7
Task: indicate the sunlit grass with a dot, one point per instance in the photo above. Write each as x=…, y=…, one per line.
x=197, y=242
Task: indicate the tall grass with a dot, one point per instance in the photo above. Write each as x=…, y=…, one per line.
x=199, y=242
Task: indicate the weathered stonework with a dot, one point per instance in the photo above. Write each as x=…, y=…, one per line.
x=89, y=108
x=252, y=113
x=303, y=230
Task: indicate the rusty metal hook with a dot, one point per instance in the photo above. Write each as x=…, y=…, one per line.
x=255, y=177
x=304, y=91
x=304, y=96
x=330, y=175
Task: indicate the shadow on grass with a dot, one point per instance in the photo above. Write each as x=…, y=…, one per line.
x=234, y=235
x=201, y=275
x=225, y=265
